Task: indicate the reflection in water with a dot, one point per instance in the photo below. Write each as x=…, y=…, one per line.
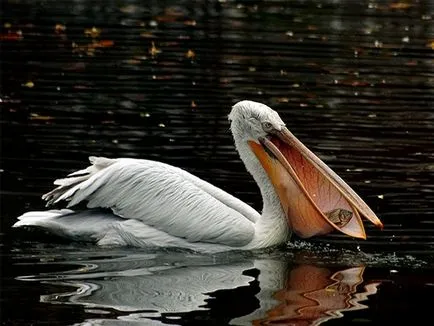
x=314, y=295
x=172, y=288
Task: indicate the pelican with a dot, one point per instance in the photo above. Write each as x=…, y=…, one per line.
x=149, y=203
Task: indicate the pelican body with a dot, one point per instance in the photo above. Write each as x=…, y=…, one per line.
x=156, y=204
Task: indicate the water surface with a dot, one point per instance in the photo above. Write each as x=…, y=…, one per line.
x=352, y=80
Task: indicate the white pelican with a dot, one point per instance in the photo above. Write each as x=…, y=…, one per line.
x=156, y=204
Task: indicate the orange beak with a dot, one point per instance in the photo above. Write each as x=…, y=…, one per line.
x=314, y=198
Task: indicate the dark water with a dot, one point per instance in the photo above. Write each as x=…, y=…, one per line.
x=352, y=79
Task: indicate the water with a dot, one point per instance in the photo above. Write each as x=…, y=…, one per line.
x=353, y=81
x=303, y=285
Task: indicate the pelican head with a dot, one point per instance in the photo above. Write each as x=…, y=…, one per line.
x=314, y=199
x=253, y=120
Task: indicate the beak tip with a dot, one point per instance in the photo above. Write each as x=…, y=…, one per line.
x=378, y=223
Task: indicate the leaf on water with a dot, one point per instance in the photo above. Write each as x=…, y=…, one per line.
x=153, y=50
x=35, y=116
x=29, y=84
x=354, y=83
x=400, y=5
x=92, y=32
x=90, y=48
x=12, y=36
x=430, y=45
x=131, y=9
x=190, y=22
x=132, y=61
x=190, y=54
x=147, y=35
x=104, y=44
x=59, y=28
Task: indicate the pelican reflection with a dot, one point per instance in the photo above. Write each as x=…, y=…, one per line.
x=161, y=289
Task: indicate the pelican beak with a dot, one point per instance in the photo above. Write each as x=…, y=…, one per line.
x=314, y=198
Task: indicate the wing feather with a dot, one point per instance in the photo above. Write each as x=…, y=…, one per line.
x=161, y=196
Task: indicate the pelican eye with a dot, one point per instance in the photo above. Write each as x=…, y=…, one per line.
x=267, y=126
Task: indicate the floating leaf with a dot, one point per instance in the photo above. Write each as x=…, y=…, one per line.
x=35, y=116
x=190, y=22
x=400, y=5
x=147, y=35
x=190, y=54
x=59, y=28
x=131, y=9
x=104, y=44
x=12, y=36
x=132, y=61
x=29, y=84
x=92, y=32
x=154, y=50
